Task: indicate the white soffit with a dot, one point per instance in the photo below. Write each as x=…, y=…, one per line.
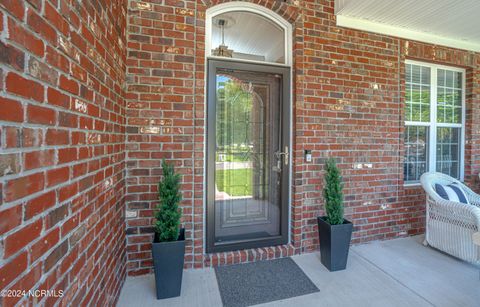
x=453, y=23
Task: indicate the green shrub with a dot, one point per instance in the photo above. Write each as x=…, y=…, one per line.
x=333, y=194
x=168, y=214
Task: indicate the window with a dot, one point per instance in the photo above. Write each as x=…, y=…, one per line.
x=434, y=120
x=249, y=36
x=247, y=32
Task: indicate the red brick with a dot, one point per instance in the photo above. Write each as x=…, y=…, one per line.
x=67, y=192
x=23, y=186
x=56, y=53
x=23, y=87
x=26, y=282
x=79, y=169
x=58, y=60
x=78, y=138
x=68, y=85
x=14, y=7
x=39, y=25
x=56, y=255
x=67, y=120
x=57, y=137
x=40, y=115
x=11, y=110
x=69, y=261
x=337, y=112
x=32, y=137
x=39, y=204
x=12, y=269
x=57, y=98
x=56, y=19
x=66, y=155
x=55, y=216
x=25, y=38
x=10, y=55
x=22, y=237
x=10, y=218
x=45, y=243
x=57, y=176
x=12, y=137
x=69, y=225
x=41, y=71
x=41, y=158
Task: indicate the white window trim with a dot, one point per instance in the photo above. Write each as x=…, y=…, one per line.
x=432, y=135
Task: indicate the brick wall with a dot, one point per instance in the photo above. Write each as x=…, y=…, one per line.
x=348, y=103
x=69, y=131
x=62, y=158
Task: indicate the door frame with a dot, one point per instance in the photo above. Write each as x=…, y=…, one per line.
x=286, y=122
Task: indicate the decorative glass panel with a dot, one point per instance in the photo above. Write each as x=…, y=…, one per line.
x=247, y=179
x=416, y=148
x=448, y=151
x=449, y=97
x=417, y=93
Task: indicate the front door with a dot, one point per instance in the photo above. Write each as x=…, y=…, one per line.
x=248, y=155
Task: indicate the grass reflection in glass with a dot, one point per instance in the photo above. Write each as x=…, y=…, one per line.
x=234, y=182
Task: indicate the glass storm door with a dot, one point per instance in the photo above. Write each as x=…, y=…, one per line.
x=248, y=155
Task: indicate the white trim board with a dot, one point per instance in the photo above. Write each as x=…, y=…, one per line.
x=380, y=28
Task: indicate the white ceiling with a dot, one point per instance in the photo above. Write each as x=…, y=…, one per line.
x=453, y=23
x=251, y=34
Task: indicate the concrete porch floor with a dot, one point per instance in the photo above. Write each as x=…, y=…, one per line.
x=400, y=272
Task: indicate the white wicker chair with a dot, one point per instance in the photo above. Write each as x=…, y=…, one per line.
x=450, y=225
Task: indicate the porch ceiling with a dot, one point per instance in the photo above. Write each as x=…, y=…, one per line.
x=453, y=23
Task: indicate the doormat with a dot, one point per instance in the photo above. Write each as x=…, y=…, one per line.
x=262, y=282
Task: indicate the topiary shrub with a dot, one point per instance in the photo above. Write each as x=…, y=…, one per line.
x=167, y=214
x=333, y=193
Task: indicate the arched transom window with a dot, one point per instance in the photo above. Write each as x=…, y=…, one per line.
x=248, y=32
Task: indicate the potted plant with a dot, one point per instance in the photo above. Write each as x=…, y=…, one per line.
x=334, y=231
x=168, y=247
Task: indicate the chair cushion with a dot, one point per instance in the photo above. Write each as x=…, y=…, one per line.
x=451, y=192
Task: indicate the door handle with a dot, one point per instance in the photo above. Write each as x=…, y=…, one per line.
x=285, y=154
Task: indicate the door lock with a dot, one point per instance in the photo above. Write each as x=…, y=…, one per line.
x=285, y=154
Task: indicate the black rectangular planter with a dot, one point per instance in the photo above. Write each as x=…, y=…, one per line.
x=334, y=243
x=168, y=258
